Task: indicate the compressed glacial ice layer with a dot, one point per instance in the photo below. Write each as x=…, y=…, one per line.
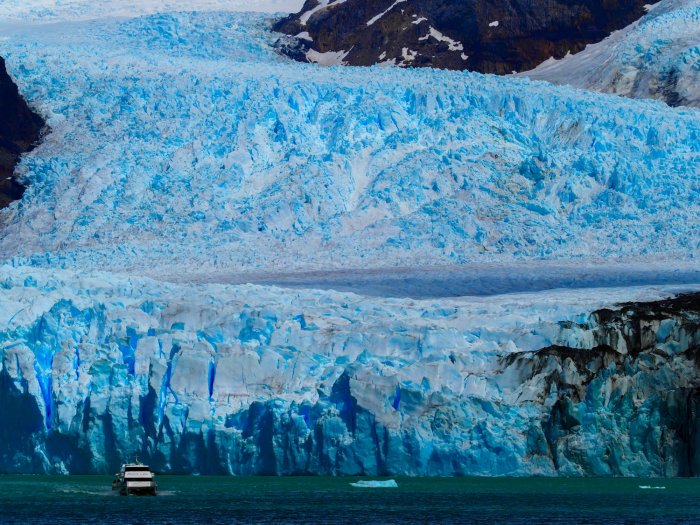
x=250, y=379
x=182, y=141
x=657, y=57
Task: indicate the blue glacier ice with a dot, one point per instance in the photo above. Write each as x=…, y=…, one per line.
x=247, y=379
x=183, y=153
x=184, y=141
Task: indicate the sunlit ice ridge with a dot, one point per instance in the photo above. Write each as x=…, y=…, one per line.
x=182, y=148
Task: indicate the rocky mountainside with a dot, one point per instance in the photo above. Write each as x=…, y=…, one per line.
x=20, y=128
x=629, y=382
x=500, y=37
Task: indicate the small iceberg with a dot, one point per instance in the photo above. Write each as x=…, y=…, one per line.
x=651, y=487
x=370, y=484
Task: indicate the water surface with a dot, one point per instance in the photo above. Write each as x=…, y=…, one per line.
x=88, y=499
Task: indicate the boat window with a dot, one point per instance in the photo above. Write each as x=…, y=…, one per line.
x=137, y=469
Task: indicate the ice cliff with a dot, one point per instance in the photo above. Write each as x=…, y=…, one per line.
x=248, y=380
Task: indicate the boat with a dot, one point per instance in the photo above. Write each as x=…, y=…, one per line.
x=135, y=479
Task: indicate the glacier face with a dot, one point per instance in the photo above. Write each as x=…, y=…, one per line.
x=248, y=379
x=183, y=141
x=657, y=57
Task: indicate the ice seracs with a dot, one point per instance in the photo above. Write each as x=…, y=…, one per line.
x=222, y=156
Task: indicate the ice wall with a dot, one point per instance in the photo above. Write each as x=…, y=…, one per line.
x=251, y=379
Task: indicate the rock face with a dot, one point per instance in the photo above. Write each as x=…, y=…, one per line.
x=250, y=380
x=20, y=128
x=491, y=37
x=625, y=397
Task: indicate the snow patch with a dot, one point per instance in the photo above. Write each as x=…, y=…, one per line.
x=437, y=35
x=329, y=58
x=322, y=4
x=408, y=55
x=380, y=15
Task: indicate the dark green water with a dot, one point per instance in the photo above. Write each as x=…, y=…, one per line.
x=88, y=499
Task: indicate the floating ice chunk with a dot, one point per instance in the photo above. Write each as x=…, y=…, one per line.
x=495, y=23
x=650, y=487
x=376, y=484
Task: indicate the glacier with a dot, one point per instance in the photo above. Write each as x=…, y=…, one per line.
x=183, y=141
x=61, y=10
x=186, y=158
x=657, y=57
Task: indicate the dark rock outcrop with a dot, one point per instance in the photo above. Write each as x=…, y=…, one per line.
x=499, y=37
x=20, y=129
x=629, y=390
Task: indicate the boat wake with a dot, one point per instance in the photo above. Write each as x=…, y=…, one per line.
x=86, y=491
